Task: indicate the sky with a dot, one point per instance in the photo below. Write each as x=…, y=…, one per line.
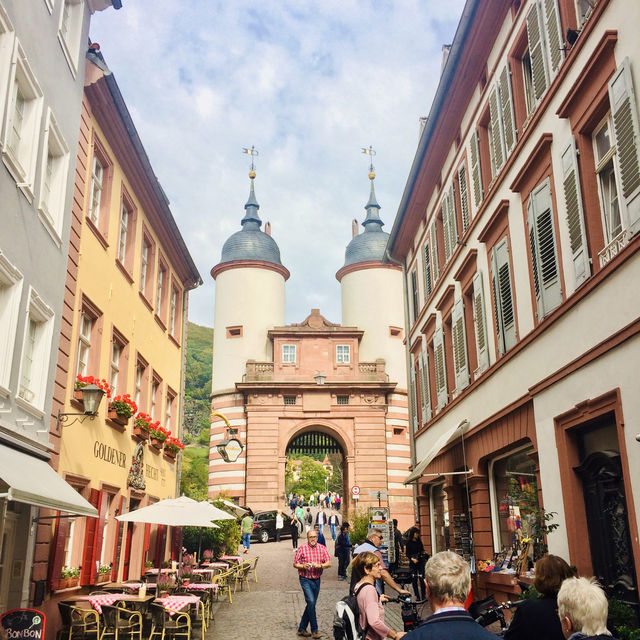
x=309, y=85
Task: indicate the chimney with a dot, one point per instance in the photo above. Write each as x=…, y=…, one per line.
x=354, y=228
x=446, y=48
x=267, y=228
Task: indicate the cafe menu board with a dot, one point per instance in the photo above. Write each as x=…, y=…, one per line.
x=22, y=623
x=462, y=535
x=379, y=519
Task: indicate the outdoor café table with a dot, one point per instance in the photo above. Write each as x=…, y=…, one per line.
x=108, y=598
x=209, y=571
x=217, y=565
x=133, y=586
x=201, y=586
x=237, y=559
x=174, y=604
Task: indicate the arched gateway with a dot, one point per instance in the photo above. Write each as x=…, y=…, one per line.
x=275, y=384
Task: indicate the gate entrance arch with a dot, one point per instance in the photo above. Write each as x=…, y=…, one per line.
x=326, y=452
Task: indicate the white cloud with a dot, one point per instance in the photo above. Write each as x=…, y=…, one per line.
x=308, y=84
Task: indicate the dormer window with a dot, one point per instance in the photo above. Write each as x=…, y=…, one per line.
x=288, y=353
x=343, y=354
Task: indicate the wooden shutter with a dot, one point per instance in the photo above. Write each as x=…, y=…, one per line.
x=503, y=296
x=449, y=226
x=575, y=214
x=464, y=198
x=480, y=325
x=428, y=287
x=506, y=110
x=625, y=122
x=413, y=408
x=553, y=33
x=440, y=367
x=161, y=539
x=425, y=392
x=544, y=254
x=414, y=294
x=56, y=556
x=145, y=543
x=453, y=225
x=434, y=252
x=117, y=545
x=536, y=51
x=496, y=139
x=88, y=570
x=476, y=173
x=460, y=360
x=102, y=511
x=445, y=229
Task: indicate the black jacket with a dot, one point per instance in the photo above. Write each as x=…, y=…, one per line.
x=536, y=620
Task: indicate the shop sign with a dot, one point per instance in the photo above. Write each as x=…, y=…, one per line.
x=23, y=623
x=104, y=452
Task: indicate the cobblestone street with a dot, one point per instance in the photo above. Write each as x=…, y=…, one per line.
x=275, y=604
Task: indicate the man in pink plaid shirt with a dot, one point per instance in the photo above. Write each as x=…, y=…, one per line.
x=310, y=559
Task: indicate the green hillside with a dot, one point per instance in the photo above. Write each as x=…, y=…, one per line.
x=198, y=382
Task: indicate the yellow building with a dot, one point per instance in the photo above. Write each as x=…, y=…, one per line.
x=125, y=319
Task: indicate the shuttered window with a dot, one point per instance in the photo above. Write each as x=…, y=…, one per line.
x=575, y=214
x=449, y=225
x=496, y=139
x=502, y=129
x=413, y=408
x=460, y=360
x=435, y=267
x=414, y=295
x=545, y=44
x=426, y=257
x=480, y=325
x=476, y=174
x=464, y=198
x=544, y=254
x=440, y=368
x=503, y=297
x=627, y=134
x=425, y=397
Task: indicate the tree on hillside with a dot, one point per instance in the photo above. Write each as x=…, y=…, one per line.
x=193, y=482
x=198, y=376
x=312, y=477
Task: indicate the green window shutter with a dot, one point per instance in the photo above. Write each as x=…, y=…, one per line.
x=536, y=51
x=476, y=173
x=434, y=252
x=503, y=296
x=440, y=368
x=428, y=287
x=506, y=110
x=449, y=225
x=575, y=214
x=625, y=122
x=553, y=33
x=480, y=325
x=424, y=386
x=413, y=408
x=460, y=360
x=464, y=198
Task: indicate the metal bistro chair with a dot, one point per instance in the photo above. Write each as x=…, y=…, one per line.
x=242, y=576
x=78, y=623
x=254, y=567
x=223, y=580
x=120, y=622
x=165, y=626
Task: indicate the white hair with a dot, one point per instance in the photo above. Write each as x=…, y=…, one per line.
x=448, y=577
x=583, y=601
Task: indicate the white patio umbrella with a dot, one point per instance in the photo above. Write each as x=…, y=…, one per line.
x=233, y=507
x=176, y=512
x=211, y=510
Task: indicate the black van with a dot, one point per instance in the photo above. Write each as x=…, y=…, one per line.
x=264, y=526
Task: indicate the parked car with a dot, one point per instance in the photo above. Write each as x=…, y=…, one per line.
x=264, y=526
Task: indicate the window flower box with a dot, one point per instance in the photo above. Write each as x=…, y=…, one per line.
x=172, y=446
x=158, y=435
x=141, y=426
x=121, y=408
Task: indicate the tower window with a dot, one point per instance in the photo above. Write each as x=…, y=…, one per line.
x=289, y=399
x=343, y=399
x=395, y=332
x=289, y=353
x=234, y=332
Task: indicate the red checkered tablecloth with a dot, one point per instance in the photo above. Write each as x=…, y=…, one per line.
x=201, y=586
x=173, y=604
x=108, y=598
x=234, y=558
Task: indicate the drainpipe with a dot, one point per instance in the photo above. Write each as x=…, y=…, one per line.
x=412, y=408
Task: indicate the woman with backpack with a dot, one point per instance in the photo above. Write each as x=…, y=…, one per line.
x=366, y=568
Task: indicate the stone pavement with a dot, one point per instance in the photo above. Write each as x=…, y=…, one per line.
x=274, y=606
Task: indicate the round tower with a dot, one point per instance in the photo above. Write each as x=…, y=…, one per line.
x=249, y=298
x=372, y=294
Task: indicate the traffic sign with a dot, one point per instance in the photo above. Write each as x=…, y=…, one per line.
x=355, y=490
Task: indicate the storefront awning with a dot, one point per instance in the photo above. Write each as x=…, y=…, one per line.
x=448, y=436
x=33, y=481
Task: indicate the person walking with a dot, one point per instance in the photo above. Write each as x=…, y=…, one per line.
x=279, y=525
x=308, y=520
x=366, y=566
x=321, y=519
x=334, y=522
x=246, y=527
x=310, y=560
x=417, y=558
x=296, y=530
x=448, y=582
x=343, y=551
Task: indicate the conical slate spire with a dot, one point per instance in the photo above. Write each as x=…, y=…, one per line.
x=372, y=221
x=251, y=220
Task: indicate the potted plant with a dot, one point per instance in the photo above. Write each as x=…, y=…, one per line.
x=104, y=572
x=185, y=575
x=121, y=408
x=164, y=587
x=158, y=434
x=141, y=426
x=207, y=556
x=83, y=381
x=148, y=564
x=69, y=577
x=172, y=446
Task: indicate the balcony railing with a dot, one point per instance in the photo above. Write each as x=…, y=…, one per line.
x=266, y=372
x=614, y=247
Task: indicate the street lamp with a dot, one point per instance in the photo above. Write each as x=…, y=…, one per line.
x=228, y=448
x=91, y=398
